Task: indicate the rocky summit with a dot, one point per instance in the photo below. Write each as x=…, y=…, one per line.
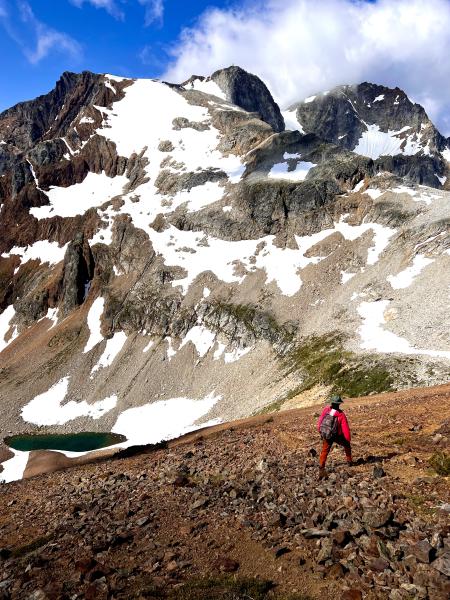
x=182, y=255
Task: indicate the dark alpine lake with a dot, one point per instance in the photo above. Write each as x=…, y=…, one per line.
x=70, y=442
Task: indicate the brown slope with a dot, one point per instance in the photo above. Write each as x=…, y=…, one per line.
x=243, y=492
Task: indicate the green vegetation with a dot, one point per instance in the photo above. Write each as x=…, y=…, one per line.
x=260, y=323
x=228, y=588
x=440, y=462
x=32, y=546
x=272, y=407
x=324, y=360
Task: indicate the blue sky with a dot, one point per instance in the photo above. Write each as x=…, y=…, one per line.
x=298, y=47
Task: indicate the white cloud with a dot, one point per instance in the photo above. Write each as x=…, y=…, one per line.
x=154, y=10
x=299, y=47
x=22, y=26
x=109, y=5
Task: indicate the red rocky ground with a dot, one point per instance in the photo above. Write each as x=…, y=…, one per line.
x=205, y=516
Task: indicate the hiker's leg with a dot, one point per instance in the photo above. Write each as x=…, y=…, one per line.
x=326, y=447
x=348, y=452
x=347, y=448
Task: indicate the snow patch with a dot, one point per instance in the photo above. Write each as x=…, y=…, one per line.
x=164, y=420
x=405, y=278
x=280, y=171
x=43, y=250
x=94, y=190
x=148, y=346
x=202, y=338
x=112, y=349
x=291, y=122
x=346, y=276
x=13, y=469
x=5, y=325
x=378, y=98
x=375, y=143
x=94, y=324
x=375, y=337
x=207, y=86
x=46, y=408
x=237, y=354
x=280, y=264
x=309, y=99
x=170, y=350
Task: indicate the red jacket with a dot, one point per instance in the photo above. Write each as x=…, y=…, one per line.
x=343, y=428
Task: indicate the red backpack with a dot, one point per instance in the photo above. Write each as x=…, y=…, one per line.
x=329, y=426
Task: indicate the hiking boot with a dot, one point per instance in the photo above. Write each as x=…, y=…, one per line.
x=322, y=473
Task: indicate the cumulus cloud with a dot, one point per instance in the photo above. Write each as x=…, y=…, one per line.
x=299, y=47
x=22, y=26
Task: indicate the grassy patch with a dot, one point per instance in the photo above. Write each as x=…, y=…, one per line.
x=324, y=361
x=272, y=407
x=228, y=588
x=440, y=462
x=32, y=546
x=260, y=323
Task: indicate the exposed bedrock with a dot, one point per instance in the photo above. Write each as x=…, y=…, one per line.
x=250, y=93
x=78, y=272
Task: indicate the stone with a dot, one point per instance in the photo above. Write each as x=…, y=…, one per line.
x=225, y=564
x=378, y=472
x=325, y=552
x=377, y=518
x=341, y=537
x=423, y=551
x=442, y=564
x=351, y=594
x=379, y=564
x=281, y=551
x=202, y=501
x=335, y=571
x=313, y=533
x=172, y=566
x=5, y=553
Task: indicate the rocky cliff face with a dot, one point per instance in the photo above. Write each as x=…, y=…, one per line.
x=163, y=242
x=378, y=122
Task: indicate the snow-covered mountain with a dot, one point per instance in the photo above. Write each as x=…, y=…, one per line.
x=379, y=122
x=172, y=254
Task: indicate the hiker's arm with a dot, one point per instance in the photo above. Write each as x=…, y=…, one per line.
x=345, y=428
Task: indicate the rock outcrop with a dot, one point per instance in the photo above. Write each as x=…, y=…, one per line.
x=250, y=93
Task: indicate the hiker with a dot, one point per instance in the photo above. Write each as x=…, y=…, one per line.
x=333, y=427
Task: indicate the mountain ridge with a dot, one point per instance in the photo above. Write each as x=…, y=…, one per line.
x=162, y=243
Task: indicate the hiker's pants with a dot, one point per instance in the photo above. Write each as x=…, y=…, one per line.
x=326, y=447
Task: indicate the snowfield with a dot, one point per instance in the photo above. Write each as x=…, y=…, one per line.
x=47, y=408
x=93, y=191
x=164, y=420
x=43, y=250
x=375, y=143
x=375, y=337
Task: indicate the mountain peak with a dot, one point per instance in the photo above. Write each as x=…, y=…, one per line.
x=250, y=93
